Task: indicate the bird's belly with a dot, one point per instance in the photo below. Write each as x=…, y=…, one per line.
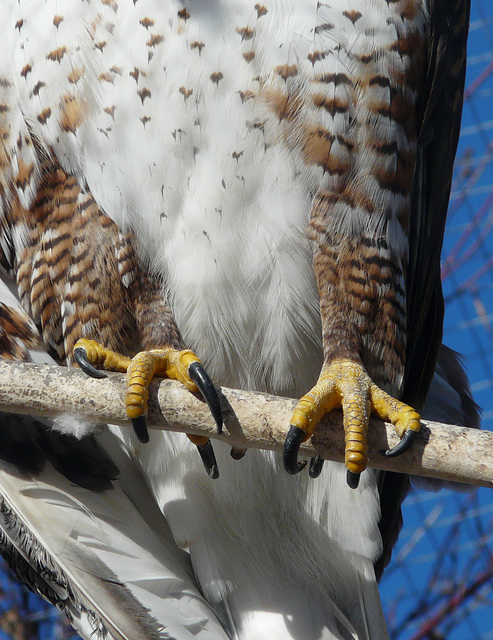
x=241, y=283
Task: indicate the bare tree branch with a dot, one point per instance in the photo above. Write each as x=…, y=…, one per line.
x=252, y=420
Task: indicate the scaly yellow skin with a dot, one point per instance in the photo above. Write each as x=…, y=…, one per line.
x=346, y=384
x=141, y=369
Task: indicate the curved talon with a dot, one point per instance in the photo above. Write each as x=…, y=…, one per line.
x=290, y=452
x=352, y=479
x=315, y=468
x=237, y=454
x=403, y=446
x=80, y=356
x=199, y=375
x=140, y=427
x=209, y=459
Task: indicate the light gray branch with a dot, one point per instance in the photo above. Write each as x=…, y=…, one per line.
x=252, y=420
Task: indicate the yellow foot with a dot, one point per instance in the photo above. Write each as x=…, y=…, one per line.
x=171, y=363
x=345, y=383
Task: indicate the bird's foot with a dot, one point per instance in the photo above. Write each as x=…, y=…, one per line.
x=345, y=383
x=183, y=366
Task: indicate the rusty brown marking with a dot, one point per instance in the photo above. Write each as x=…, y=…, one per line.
x=37, y=87
x=183, y=14
x=345, y=142
x=116, y=70
x=17, y=323
x=286, y=71
x=216, y=77
x=335, y=78
x=106, y=77
x=44, y=115
x=331, y=105
x=380, y=81
x=155, y=40
x=246, y=95
x=112, y=4
x=143, y=94
x=147, y=22
x=135, y=74
x=57, y=54
x=408, y=9
x=401, y=108
x=24, y=174
x=145, y=120
x=186, y=93
x=352, y=197
x=316, y=145
x=249, y=55
x=398, y=108
x=408, y=45
x=18, y=24
x=353, y=16
x=323, y=203
x=316, y=56
x=73, y=111
x=285, y=106
x=75, y=75
x=110, y=111
x=385, y=148
x=246, y=33
x=25, y=70
x=367, y=58
x=261, y=10
x=405, y=79
x=358, y=196
x=57, y=20
x=100, y=45
x=197, y=45
x=399, y=177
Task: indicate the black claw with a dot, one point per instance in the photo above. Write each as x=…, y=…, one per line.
x=80, y=356
x=209, y=459
x=403, y=446
x=352, y=479
x=315, y=468
x=198, y=374
x=140, y=427
x=290, y=452
x=237, y=454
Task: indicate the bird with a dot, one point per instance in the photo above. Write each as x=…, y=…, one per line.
x=250, y=194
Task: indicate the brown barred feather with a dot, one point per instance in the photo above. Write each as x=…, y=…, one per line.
x=78, y=275
x=18, y=334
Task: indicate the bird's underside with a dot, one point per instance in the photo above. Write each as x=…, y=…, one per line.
x=252, y=187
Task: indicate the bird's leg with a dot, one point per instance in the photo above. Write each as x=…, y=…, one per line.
x=345, y=383
x=363, y=310
x=182, y=365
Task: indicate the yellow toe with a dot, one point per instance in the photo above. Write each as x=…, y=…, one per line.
x=167, y=362
x=345, y=383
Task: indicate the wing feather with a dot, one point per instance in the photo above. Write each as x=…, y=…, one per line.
x=441, y=109
x=94, y=556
